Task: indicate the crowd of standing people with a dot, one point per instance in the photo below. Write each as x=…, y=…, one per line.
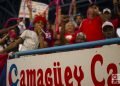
x=67, y=29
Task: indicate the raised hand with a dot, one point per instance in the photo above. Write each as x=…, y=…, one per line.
x=28, y=2
x=115, y=2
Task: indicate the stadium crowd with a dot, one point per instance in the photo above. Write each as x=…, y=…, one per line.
x=67, y=29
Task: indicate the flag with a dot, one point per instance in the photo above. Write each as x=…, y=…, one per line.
x=37, y=8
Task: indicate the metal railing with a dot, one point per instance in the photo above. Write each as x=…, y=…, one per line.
x=61, y=49
x=70, y=47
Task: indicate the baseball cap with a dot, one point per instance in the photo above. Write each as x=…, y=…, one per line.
x=106, y=10
x=107, y=23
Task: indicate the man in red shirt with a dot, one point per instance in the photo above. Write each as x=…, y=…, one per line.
x=92, y=25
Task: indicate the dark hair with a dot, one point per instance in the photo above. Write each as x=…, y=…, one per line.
x=79, y=14
x=17, y=31
x=91, y=5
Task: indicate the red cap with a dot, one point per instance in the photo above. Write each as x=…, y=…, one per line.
x=40, y=18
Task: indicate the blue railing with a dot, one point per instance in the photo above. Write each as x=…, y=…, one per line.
x=70, y=47
x=59, y=49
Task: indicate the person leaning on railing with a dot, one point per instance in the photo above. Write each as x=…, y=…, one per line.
x=29, y=39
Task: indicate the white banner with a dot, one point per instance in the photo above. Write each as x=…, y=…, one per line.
x=87, y=67
x=37, y=8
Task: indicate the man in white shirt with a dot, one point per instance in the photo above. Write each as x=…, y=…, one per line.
x=30, y=39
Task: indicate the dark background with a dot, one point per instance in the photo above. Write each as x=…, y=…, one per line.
x=10, y=8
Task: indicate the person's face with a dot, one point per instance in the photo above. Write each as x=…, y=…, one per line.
x=39, y=25
x=107, y=15
x=69, y=27
x=90, y=13
x=96, y=9
x=80, y=39
x=12, y=35
x=64, y=18
x=108, y=32
x=78, y=20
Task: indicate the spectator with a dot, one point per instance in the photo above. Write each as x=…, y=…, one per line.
x=13, y=36
x=116, y=9
x=5, y=30
x=2, y=41
x=108, y=17
x=69, y=35
x=49, y=35
x=78, y=19
x=74, y=17
x=30, y=39
x=21, y=26
x=92, y=25
x=108, y=30
x=80, y=38
x=107, y=14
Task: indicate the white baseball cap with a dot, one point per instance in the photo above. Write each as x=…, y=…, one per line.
x=106, y=10
x=107, y=23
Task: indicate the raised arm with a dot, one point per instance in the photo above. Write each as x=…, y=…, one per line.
x=12, y=45
x=5, y=30
x=99, y=13
x=29, y=6
x=3, y=39
x=116, y=7
x=74, y=7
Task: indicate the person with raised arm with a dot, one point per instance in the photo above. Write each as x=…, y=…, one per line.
x=29, y=39
x=92, y=25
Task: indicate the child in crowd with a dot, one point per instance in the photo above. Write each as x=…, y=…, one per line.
x=69, y=35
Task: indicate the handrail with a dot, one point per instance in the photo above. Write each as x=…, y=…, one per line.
x=61, y=48
x=70, y=47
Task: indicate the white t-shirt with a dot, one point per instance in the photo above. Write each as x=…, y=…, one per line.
x=30, y=40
